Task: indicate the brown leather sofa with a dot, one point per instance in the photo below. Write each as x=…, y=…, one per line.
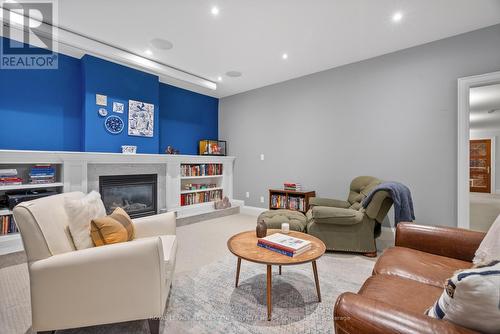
x=407, y=279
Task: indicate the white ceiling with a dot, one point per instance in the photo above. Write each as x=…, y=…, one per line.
x=485, y=108
x=251, y=36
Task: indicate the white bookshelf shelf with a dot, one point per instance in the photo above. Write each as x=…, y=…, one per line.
x=201, y=177
x=31, y=186
x=199, y=190
x=5, y=212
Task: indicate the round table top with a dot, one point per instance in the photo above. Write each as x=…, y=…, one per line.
x=244, y=245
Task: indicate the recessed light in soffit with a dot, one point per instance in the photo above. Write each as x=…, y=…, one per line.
x=233, y=74
x=161, y=44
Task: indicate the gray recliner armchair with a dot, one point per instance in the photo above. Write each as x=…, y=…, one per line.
x=346, y=225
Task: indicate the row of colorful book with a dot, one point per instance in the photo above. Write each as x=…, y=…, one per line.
x=201, y=197
x=293, y=186
x=197, y=186
x=284, y=244
x=201, y=170
x=296, y=203
x=288, y=202
x=8, y=225
x=8, y=177
x=42, y=174
x=279, y=201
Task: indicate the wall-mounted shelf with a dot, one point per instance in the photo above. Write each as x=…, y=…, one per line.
x=31, y=186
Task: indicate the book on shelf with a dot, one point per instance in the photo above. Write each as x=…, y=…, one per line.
x=9, y=177
x=201, y=169
x=296, y=203
x=282, y=251
x=285, y=242
x=42, y=174
x=199, y=186
x=201, y=197
x=8, y=225
x=293, y=186
x=278, y=201
x=9, y=181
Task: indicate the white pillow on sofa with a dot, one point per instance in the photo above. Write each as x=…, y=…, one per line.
x=489, y=249
x=471, y=299
x=80, y=213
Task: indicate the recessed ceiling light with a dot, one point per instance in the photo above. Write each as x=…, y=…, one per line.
x=219, y=78
x=162, y=44
x=233, y=74
x=397, y=17
x=285, y=56
x=215, y=11
x=148, y=52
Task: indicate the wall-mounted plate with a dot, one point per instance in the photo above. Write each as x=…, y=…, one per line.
x=114, y=124
x=103, y=112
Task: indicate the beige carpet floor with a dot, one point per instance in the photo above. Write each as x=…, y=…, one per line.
x=200, y=245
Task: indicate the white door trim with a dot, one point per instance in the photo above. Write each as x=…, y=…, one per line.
x=464, y=85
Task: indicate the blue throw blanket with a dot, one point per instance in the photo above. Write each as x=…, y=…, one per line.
x=401, y=196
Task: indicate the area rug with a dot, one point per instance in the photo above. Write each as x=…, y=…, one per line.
x=206, y=301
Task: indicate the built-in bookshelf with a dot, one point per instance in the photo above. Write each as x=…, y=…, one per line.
x=80, y=171
x=289, y=199
x=201, y=183
x=19, y=179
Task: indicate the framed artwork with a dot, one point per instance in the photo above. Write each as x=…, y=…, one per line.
x=118, y=107
x=140, y=118
x=101, y=100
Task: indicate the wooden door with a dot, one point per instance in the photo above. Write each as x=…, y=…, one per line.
x=480, y=166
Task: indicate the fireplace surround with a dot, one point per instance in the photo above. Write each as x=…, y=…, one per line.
x=136, y=194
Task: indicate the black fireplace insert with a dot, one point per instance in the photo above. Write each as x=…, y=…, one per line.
x=136, y=194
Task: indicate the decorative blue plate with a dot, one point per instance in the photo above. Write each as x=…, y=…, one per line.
x=114, y=124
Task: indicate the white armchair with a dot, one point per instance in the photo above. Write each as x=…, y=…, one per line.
x=76, y=288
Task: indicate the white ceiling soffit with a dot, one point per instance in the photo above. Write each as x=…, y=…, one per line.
x=77, y=45
x=485, y=108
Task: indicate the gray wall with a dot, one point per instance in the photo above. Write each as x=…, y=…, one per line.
x=394, y=117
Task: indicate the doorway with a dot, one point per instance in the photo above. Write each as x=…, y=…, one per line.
x=478, y=198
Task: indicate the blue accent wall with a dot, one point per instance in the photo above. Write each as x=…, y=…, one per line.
x=55, y=110
x=185, y=118
x=120, y=84
x=41, y=109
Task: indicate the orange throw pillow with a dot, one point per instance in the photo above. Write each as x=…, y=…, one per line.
x=117, y=227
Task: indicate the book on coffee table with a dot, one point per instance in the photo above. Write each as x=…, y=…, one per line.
x=284, y=244
x=284, y=252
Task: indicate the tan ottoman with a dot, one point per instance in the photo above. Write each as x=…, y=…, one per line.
x=274, y=219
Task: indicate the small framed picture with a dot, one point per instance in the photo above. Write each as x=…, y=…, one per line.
x=118, y=107
x=101, y=100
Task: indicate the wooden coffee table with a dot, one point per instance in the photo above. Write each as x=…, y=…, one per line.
x=244, y=246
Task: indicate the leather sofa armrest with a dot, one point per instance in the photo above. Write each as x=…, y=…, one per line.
x=152, y=226
x=354, y=313
x=456, y=243
x=336, y=203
